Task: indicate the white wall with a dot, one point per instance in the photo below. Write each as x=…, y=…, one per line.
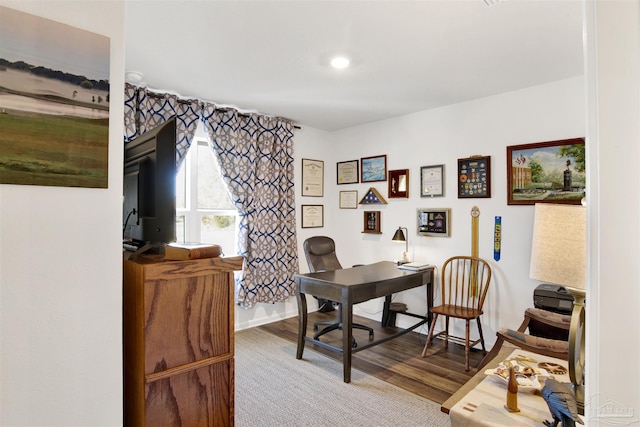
x=61, y=272
x=613, y=296
x=441, y=136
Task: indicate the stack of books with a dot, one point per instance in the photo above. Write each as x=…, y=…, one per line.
x=186, y=251
x=415, y=266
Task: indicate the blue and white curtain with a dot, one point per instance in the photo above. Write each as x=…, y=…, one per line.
x=145, y=109
x=255, y=155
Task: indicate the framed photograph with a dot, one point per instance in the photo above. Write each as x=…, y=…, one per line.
x=372, y=222
x=312, y=178
x=399, y=184
x=312, y=216
x=546, y=172
x=348, y=172
x=474, y=177
x=373, y=168
x=349, y=199
x=434, y=222
x=432, y=181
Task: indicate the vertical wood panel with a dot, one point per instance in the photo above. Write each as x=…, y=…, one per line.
x=178, y=333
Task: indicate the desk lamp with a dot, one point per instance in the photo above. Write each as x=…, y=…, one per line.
x=399, y=236
x=558, y=256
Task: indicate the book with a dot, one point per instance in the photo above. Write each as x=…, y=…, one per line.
x=186, y=251
x=415, y=266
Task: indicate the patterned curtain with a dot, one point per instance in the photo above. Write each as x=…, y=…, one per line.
x=144, y=110
x=255, y=155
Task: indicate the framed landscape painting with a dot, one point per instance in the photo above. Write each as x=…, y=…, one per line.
x=546, y=172
x=54, y=109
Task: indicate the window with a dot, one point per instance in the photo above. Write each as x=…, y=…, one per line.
x=204, y=211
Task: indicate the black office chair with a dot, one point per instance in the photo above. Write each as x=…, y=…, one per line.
x=320, y=252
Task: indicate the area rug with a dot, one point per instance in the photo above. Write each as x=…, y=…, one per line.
x=273, y=388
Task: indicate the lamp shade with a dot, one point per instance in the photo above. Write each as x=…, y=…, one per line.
x=559, y=245
x=399, y=236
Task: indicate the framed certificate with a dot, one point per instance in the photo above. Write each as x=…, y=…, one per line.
x=312, y=216
x=312, y=178
x=349, y=199
x=348, y=172
x=432, y=181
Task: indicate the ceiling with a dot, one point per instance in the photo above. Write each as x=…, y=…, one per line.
x=406, y=56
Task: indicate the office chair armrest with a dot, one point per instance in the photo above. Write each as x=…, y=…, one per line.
x=558, y=320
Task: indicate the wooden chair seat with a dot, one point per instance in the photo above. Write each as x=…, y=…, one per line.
x=457, y=311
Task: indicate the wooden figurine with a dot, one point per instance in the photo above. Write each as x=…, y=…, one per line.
x=512, y=391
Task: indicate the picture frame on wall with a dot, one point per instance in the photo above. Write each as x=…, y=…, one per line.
x=432, y=181
x=434, y=222
x=312, y=178
x=348, y=172
x=373, y=168
x=399, y=184
x=474, y=177
x=349, y=199
x=312, y=216
x=546, y=172
x=371, y=222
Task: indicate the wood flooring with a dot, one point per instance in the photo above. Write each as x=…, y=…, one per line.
x=398, y=361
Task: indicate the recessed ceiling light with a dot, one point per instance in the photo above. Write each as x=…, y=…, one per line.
x=340, y=62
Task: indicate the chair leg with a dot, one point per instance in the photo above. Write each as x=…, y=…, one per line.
x=491, y=354
x=484, y=350
x=430, y=336
x=446, y=328
x=466, y=345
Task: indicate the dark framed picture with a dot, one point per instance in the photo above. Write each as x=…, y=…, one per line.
x=312, y=216
x=434, y=222
x=348, y=172
x=371, y=222
x=546, y=172
x=399, y=184
x=312, y=178
x=474, y=177
x=373, y=168
x=432, y=181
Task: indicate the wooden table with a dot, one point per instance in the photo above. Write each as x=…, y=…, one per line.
x=354, y=285
x=484, y=404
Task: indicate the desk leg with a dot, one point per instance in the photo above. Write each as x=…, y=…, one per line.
x=386, y=311
x=347, y=335
x=302, y=322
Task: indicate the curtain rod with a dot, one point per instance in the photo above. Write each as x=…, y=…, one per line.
x=158, y=95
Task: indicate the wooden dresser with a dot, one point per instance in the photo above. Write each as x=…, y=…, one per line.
x=178, y=341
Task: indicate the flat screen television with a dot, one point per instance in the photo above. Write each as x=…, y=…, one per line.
x=149, y=203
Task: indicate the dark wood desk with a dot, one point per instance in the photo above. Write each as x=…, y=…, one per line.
x=354, y=285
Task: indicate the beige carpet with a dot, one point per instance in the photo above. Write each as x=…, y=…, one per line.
x=273, y=388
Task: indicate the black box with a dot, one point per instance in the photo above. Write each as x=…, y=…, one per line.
x=553, y=298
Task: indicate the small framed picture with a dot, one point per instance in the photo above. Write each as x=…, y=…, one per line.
x=371, y=222
x=399, y=184
x=373, y=168
x=312, y=178
x=312, y=216
x=432, y=181
x=474, y=177
x=349, y=199
x=434, y=222
x=348, y=172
